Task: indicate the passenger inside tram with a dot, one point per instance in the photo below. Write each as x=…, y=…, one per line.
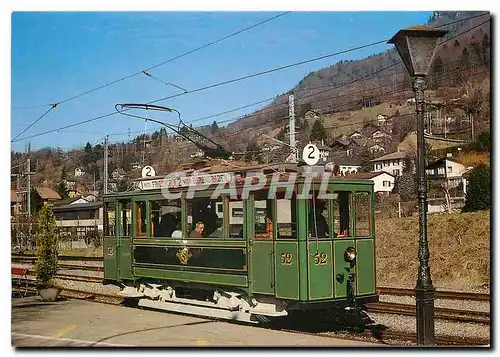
x=218, y=233
x=318, y=225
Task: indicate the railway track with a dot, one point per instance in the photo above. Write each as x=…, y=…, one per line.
x=439, y=313
x=438, y=294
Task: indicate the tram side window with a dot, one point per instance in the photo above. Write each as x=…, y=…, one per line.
x=286, y=218
x=363, y=210
x=236, y=219
x=319, y=217
x=166, y=218
x=126, y=219
x=109, y=220
x=342, y=214
x=140, y=219
x=263, y=219
x=203, y=218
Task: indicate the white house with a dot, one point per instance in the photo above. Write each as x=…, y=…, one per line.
x=376, y=148
x=392, y=163
x=380, y=135
x=383, y=182
x=381, y=119
x=357, y=135
x=446, y=168
x=79, y=172
x=311, y=114
x=347, y=164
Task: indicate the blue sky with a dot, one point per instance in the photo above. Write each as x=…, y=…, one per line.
x=56, y=55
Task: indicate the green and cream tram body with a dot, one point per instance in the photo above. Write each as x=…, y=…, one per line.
x=260, y=255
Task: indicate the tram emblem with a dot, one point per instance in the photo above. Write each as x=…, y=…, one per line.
x=183, y=255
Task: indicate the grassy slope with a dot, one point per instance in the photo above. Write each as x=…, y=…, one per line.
x=459, y=247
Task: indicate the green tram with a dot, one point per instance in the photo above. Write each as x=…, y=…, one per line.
x=248, y=253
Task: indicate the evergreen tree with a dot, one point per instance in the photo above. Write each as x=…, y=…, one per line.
x=123, y=185
x=61, y=189
x=438, y=67
x=477, y=55
x=281, y=135
x=318, y=131
x=478, y=190
x=464, y=58
x=482, y=143
x=36, y=201
x=485, y=44
x=214, y=128
x=88, y=148
x=46, y=265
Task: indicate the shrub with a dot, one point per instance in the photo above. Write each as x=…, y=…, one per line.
x=93, y=237
x=46, y=242
x=478, y=190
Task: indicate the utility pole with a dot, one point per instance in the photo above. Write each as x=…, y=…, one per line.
x=106, y=164
x=291, y=112
x=29, y=187
x=472, y=125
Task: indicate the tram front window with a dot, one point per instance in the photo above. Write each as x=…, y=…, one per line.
x=109, y=220
x=342, y=214
x=126, y=218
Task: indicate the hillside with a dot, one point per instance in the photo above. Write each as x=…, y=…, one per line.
x=334, y=94
x=459, y=246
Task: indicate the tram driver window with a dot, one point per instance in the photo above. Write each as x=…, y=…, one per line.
x=140, y=219
x=342, y=214
x=109, y=220
x=363, y=210
x=165, y=218
x=319, y=217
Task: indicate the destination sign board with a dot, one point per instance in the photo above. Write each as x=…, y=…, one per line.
x=185, y=181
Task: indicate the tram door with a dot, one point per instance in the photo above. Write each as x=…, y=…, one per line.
x=124, y=246
x=260, y=234
x=110, y=241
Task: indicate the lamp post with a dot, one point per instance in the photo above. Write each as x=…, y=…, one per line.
x=417, y=45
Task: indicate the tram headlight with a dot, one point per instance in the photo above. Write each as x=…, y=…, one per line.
x=350, y=254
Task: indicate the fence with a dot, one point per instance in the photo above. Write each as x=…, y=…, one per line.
x=23, y=237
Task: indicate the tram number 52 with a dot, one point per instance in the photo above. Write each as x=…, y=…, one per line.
x=286, y=259
x=320, y=258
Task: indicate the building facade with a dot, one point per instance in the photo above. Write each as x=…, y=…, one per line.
x=392, y=163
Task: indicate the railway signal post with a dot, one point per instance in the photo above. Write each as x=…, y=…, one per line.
x=417, y=45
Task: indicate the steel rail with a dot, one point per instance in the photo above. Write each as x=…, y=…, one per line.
x=439, y=294
x=440, y=313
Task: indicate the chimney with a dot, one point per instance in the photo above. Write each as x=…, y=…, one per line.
x=449, y=154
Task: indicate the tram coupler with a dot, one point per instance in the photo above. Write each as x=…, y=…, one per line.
x=355, y=314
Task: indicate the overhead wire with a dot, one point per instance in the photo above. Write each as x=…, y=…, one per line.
x=448, y=73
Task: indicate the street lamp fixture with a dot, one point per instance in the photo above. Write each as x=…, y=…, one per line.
x=417, y=45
